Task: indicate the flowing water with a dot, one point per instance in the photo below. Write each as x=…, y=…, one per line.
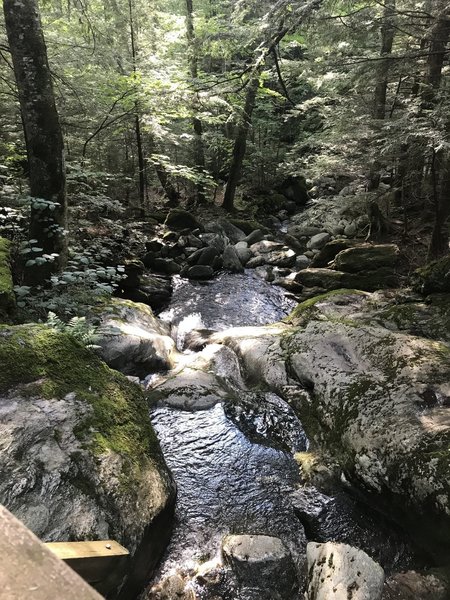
x=234, y=464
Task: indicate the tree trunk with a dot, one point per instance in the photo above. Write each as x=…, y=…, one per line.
x=240, y=145
x=387, y=40
x=439, y=243
x=438, y=39
x=43, y=136
x=199, y=152
x=137, y=119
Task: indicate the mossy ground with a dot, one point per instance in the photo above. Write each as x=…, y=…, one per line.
x=305, y=311
x=56, y=364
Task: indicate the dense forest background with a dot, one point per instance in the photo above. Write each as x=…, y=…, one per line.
x=226, y=103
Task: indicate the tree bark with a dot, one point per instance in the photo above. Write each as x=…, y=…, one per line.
x=137, y=119
x=387, y=40
x=199, y=152
x=438, y=40
x=43, y=136
x=240, y=145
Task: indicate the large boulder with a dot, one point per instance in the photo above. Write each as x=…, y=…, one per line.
x=131, y=339
x=374, y=398
x=367, y=257
x=7, y=298
x=329, y=279
x=78, y=457
x=261, y=562
x=341, y=572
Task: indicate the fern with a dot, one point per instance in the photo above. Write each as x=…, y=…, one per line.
x=78, y=328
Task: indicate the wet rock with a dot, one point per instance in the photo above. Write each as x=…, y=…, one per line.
x=342, y=572
x=416, y=586
x=181, y=219
x=367, y=257
x=131, y=339
x=261, y=562
x=319, y=240
x=79, y=459
x=231, y=261
x=200, y=272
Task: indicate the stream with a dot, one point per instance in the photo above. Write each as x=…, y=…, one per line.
x=234, y=462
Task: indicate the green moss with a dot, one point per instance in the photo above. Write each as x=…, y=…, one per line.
x=7, y=298
x=248, y=225
x=305, y=310
x=54, y=364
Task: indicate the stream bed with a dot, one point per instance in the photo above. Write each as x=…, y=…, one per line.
x=234, y=462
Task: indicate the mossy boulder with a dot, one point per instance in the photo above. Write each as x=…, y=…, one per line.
x=248, y=225
x=7, y=297
x=374, y=398
x=434, y=277
x=330, y=279
x=367, y=257
x=78, y=457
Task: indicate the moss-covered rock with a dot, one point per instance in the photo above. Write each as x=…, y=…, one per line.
x=329, y=279
x=7, y=298
x=78, y=457
x=434, y=277
x=367, y=257
x=374, y=398
x=248, y=225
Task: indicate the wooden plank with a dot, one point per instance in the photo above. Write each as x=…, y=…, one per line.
x=30, y=570
x=103, y=564
x=106, y=548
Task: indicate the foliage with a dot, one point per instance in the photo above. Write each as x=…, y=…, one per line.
x=76, y=327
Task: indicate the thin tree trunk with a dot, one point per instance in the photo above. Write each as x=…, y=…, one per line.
x=137, y=119
x=387, y=40
x=439, y=243
x=438, y=40
x=44, y=141
x=199, y=152
x=240, y=145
